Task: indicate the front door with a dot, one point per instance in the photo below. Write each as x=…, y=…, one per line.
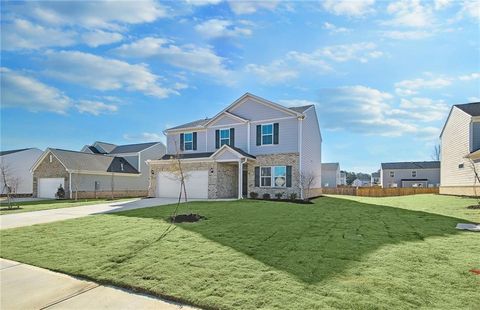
x=245, y=183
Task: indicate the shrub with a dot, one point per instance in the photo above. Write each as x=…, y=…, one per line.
x=266, y=196
x=279, y=195
x=253, y=195
x=293, y=196
x=60, y=192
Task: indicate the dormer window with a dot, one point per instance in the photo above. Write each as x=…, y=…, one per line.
x=224, y=136
x=188, y=141
x=267, y=134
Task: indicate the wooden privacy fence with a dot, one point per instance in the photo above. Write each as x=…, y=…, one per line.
x=379, y=192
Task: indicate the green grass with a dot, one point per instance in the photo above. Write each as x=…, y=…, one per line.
x=29, y=206
x=395, y=253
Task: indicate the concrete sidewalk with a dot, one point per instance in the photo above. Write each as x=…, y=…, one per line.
x=27, y=287
x=53, y=215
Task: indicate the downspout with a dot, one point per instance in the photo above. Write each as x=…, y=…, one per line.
x=300, y=136
x=70, y=185
x=240, y=177
x=248, y=137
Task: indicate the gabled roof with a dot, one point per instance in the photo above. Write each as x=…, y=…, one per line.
x=241, y=152
x=80, y=161
x=207, y=155
x=14, y=151
x=201, y=123
x=412, y=165
x=132, y=148
x=107, y=147
x=472, y=109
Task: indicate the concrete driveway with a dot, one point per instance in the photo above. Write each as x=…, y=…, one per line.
x=53, y=215
x=27, y=287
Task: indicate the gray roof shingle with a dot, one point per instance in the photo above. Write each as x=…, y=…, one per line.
x=92, y=162
x=194, y=124
x=472, y=109
x=132, y=148
x=13, y=151
x=412, y=165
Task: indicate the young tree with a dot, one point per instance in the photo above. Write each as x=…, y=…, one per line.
x=476, y=178
x=307, y=179
x=10, y=183
x=436, y=152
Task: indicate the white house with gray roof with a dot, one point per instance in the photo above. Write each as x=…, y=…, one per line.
x=16, y=164
x=253, y=145
x=98, y=170
x=331, y=175
x=410, y=174
x=460, y=150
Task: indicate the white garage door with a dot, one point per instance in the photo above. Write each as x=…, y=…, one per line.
x=196, y=183
x=47, y=187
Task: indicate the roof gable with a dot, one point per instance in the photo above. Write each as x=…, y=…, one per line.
x=2, y=153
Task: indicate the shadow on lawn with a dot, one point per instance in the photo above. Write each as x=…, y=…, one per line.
x=311, y=242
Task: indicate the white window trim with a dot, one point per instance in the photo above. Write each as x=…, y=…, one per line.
x=272, y=176
x=185, y=141
x=261, y=131
x=220, y=136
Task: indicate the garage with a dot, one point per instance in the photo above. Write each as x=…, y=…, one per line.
x=196, y=183
x=47, y=187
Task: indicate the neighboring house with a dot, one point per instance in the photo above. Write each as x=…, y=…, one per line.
x=99, y=170
x=410, y=174
x=343, y=178
x=330, y=174
x=253, y=145
x=375, y=180
x=364, y=182
x=460, y=150
x=16, y=165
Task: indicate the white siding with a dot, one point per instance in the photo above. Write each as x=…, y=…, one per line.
x=175, y=137
x=19, y=164
x=455, y=146
x=253, y=111
x=287, y=138
x=225, y=120
x=240, y=136
x=312, y=146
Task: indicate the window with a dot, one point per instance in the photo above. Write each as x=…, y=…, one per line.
x=224, y=136
x=267, y=134
x=392, y=174
x=460, y=166
x=121, y=166
x=280, y=176
x=414, y=174
x=188, y=141
x=266, y=176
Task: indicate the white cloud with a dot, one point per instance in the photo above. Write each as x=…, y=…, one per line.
x=357, y=51
x=190, y=57
x=203, y=2
x=145, y=137
x=469, y=77
x=218, y=28
x=474, y=99
x=334, y=29
x=410, y=87
x=409, y=13
x=250, y=7
x=350, y=8
x=92, y=14
x=99, y=37
x=103, y=73
x=22, y=34
x=407, y=35
x=276, y=72
x=470, y=8
x=20, y=90
x=365, y=110
x=441, y=4
x=424, y=109
x=296, y=102
x=95, y=107
x=312, y=60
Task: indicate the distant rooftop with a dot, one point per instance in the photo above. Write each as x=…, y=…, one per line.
x=132, y=148
x=472, y=108
x=13, y=151
x=412, y=165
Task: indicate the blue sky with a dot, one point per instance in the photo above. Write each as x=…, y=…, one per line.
x=383, y=75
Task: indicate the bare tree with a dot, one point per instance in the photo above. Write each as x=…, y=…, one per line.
x=476, y=179
x=436, y=152
x=306, y=180
x=10, y=183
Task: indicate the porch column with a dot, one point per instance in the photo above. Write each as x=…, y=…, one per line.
x=240, y=178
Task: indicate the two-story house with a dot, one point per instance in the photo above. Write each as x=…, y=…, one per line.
x=375, y=179
x=410, y=174
x=331, y=175
x=460, y=151
x=253, y=145
x=98, y=170
x=16, y=176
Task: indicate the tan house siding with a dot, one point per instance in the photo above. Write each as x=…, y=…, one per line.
x=47, y=169
x=455, y=142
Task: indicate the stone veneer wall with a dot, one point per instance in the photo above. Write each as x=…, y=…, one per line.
x=47, y=169
x=108, y=194
x=459, y=190
x=227, y=180
x=284, y=159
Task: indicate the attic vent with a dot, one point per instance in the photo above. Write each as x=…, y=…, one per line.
x=121, y=166
x=51, y=158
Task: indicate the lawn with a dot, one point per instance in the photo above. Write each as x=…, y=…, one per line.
x=28, y=206
x=394, y=253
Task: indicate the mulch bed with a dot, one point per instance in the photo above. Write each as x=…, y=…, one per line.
x=10, y=209
x=474, y=207
x=299, y=201
x=186, y=218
